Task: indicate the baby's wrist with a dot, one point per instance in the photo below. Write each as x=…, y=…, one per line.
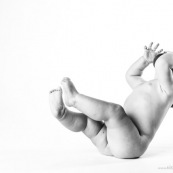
x=146, y=60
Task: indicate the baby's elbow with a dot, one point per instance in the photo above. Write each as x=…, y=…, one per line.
x=127, y=74
x=130, y=75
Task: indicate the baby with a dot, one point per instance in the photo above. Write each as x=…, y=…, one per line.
x=122, y=132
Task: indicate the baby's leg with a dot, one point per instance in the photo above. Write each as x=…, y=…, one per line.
x=94, y=108
x=73, y=121
x=123, y=136
x=94, y=130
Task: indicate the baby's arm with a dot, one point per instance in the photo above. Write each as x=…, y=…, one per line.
x=134, y=73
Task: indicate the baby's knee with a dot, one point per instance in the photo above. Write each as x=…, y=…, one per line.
x=116, y=109
x=116, y=115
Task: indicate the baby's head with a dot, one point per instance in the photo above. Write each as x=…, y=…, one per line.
x=155, y=59
x=154, y=62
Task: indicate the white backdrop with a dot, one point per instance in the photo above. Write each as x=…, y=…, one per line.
x=93, y=42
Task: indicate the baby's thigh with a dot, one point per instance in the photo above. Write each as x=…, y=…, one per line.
x=101, y=142
x=97, y=132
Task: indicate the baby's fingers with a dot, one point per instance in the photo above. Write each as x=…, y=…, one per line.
x=157, y=45
x=160, y=51
x=145, y=47
x=150, y=45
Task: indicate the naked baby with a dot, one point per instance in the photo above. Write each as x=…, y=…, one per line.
x=121, y=131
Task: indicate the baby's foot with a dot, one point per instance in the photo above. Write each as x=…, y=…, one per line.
x=70, y=92
x=56, y=103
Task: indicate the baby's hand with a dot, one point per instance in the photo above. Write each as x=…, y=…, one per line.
x=150, y=54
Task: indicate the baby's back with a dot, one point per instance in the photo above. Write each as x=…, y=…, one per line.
x=147, y=106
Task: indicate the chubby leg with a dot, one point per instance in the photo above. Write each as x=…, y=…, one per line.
x=94, y=108
x=94, y=130
x=123, y=136
x=71, y=120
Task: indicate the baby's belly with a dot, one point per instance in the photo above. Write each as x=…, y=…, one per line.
x=139, y=108
x=146, y=106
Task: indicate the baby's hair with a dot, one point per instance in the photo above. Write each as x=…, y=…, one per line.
x=154, y=61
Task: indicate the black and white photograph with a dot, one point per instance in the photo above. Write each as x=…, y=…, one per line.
x=86, y=86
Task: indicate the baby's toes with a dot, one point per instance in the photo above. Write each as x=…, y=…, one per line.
x=56, y=103
x=57, y=89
